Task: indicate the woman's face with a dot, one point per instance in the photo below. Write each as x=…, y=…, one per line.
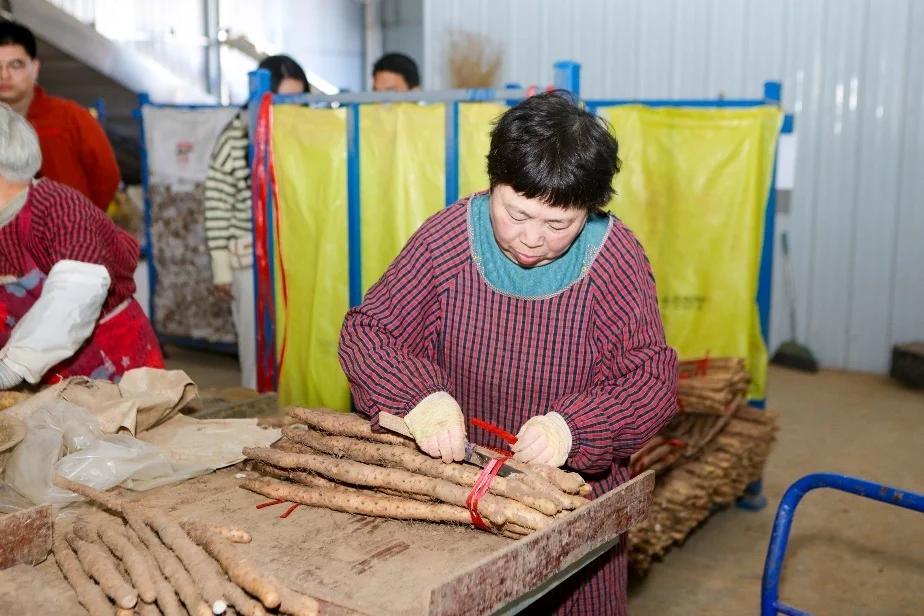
x=530, y=232
x=288, y=85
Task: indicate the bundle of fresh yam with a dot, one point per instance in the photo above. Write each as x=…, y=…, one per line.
x=335, y=460
x=716, y=475
x=143, y=561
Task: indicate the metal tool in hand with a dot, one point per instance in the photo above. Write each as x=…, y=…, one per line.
x=474, y=454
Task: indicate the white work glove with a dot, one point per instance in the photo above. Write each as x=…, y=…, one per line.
x=59, y=321
x=9, y=378
x=545, y=439
x=438, y=427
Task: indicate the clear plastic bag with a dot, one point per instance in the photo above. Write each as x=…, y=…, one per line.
x=64, y=439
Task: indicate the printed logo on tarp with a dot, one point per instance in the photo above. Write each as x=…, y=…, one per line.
x=184, y=152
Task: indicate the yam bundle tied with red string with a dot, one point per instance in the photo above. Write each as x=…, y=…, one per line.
x=335, y=460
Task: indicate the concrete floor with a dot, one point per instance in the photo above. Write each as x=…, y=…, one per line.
x=846, y=555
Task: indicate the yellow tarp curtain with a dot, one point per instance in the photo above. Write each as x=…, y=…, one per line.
x=693, y=188
x=309, y=153
x=402, y=164
x=475, y=124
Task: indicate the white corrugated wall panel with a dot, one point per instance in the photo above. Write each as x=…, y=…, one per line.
x=851, y=74
x=882, y=82
x=907, y=297
x=835, y=195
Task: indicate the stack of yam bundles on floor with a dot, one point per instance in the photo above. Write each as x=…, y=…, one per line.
x=705, y=457
x=336, y=461
x=143, y=561
x=710, y=391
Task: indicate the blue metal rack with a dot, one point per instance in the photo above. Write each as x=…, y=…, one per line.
x=770, y=605
x=566, y=76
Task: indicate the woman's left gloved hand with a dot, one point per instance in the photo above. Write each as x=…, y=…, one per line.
x=9, y=378
x=545, y=439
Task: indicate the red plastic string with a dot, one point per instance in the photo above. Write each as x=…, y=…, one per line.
x=495, y=430
x=702, y=366
x=290, y=510
x=265, y=364
x=277, y=501
x=279, y=259
x=482, y=484
x=269, y=503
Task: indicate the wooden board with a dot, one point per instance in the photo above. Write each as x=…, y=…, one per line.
x=360, y=565
x=25, y=536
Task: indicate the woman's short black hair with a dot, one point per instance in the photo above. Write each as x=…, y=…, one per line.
x=402, y=65
x=12, y=33
x=549, y=148
x=282, y=67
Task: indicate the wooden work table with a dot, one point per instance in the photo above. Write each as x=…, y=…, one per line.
x=361, y=565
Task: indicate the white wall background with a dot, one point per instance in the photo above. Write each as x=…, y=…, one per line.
x=853, y=74
x=325, y=36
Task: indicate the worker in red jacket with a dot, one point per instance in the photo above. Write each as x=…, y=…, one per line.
x=75, y=150
x=66, y=277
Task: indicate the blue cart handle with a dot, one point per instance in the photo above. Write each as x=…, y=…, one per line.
x=770, y=605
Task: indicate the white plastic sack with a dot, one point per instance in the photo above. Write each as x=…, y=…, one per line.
x=64, y=439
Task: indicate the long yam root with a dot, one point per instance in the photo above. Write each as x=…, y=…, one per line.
x=109, y=501
x=345, y=424
x=567, y=482
x=168, y=563
x=112, y=534
x=196, y=561
x=241, y=571
x=297, y=604
x=147, y=609
x=231, y=533
x=402, y=457
x=495, y=508
x=100, y=565
x=166, y=597
x=356, y=501
x=88, y=593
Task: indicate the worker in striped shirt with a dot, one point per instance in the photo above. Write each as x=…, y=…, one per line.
x=229, y=216
x=531, y=308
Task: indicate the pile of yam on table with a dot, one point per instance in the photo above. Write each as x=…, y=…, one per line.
x=335, y=460
x=140, y=560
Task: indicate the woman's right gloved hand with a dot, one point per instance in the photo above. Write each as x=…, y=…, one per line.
x=438, y=427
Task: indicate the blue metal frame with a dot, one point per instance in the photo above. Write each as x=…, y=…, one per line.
x=147, y=251
x=259, y=82
x=770, y=605
x=451, y=174
x=354, y=229
x=567, y=76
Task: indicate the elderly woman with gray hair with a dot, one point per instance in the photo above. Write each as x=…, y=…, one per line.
x=66, y=277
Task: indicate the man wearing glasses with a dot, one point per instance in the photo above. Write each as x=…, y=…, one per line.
x=75, y=150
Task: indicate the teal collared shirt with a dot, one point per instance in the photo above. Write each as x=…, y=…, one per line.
x=531, y=282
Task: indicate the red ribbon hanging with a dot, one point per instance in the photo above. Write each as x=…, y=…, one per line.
x=481, y=487
x=266, y=368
